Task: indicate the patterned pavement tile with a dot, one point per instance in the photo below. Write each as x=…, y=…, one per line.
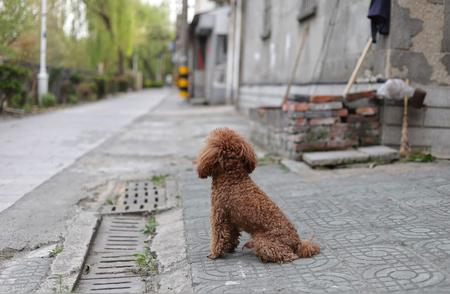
x=23, y=276
x=379, y=233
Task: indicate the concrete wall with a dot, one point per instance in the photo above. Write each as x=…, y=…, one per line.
x=419, y=42
x=417, y=48
x=337, y=35
x=215, y=69
x=209, y=83
x=420, y=51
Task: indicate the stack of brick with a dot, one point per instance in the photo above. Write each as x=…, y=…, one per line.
x=268, y=129
x=364, y=117
x=317, y=123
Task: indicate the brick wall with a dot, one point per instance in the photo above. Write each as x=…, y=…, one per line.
x=317, y=123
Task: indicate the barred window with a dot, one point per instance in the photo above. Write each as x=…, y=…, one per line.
x=308, y=9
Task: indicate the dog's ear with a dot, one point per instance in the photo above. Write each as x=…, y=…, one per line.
x=248, y=157
x=207, y=161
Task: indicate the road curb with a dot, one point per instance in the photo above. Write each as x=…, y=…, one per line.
x=169, y=245
x=67, y=266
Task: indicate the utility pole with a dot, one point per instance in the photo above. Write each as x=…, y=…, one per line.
x=43, y=76
x=184, y=32
x=182, y=76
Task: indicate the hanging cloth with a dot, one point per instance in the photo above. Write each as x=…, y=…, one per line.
x=379, y=15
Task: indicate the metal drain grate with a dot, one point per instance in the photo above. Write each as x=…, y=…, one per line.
x=111, y=261
x=138, y=196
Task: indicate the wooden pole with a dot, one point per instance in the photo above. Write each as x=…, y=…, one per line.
x=404, y=141
x=297, y=59
x=352, y=79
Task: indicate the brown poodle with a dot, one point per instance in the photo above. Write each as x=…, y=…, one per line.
x=239, y=205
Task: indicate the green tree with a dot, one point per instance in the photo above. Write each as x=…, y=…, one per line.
x=86, y=33
x=111, y=23
x=14, y=16
x=154, y=34
x=15, y=19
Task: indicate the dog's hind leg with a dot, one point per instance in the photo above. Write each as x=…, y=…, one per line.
x=271, y=250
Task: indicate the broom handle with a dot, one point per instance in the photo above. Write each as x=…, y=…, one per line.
x=297, y=59
x=404, y=141
x=352, y=79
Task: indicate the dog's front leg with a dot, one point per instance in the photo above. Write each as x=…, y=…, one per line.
x=218, y=232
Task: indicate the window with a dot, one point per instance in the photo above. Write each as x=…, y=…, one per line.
x=308, y=9
x=267, y=20
x=221, y=50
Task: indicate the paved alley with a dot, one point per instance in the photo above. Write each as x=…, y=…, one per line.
x=381, y=229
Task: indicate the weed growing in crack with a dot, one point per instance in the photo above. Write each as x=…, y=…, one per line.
x=61, y=287
x=109, y=201
x=55, y=251
x=420, y=156
x=268, y=159
x=112, y=200
x=146, y=262
x=159, y=180
x=150, y=226
x=284, y=168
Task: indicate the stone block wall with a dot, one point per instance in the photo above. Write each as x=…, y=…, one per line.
x=317, y=123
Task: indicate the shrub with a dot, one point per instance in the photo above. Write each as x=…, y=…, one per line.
x=55, y=75
x=132, y=81
x=86, y=91
x=73, y=99
x=83, y=90
x=122, y=83
x=29, y=102
x=48, y=100
x=76, y=78
x=28, y=107
x=101, y=84
x=93, y=87
x=112, y=86
x=13, y=79
x=158, y=84
x=18, y=101
x=153, y=84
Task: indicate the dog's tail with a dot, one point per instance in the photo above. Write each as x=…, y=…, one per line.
x=308, y=248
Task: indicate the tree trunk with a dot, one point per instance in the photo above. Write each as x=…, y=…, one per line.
x=2, y=101
x=148, y=68
x=121, y=65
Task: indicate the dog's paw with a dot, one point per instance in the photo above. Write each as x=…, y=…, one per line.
x=213, y=256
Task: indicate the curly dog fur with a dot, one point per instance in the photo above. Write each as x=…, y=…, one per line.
x=238, y=204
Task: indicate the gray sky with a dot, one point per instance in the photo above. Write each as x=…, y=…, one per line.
x=174, y=6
